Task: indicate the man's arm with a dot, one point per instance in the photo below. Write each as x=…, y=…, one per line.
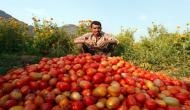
x=111, y=39
x=108, y=39
x=79, y=40
x=83, y=39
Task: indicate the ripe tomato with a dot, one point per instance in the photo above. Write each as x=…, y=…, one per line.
x=130, y=100
x=182, y=97
x=46, y=106
x=140, y=97
x=150, y=104
x=63, y=86
x=33, y=85
x=77, y=66
x=77, y=105
x=98, y=78
x=89, y=100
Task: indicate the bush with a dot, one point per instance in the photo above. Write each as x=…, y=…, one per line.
x=164, y=51
x=50, y=40
x=13, y=36
x=125, y=46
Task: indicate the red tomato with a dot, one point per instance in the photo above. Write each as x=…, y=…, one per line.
x=94, y=65
x=90, y=71
x=56, y=108
x=52, y=81
x=10, y=103
x=77, y=67
x=182, y=97
x=98, y=78
x=92, y=107
x=63, y=86
x=38, y=100
x=130, y=81
x=150, y=104
x=75, y=87
x=152, y=93
x=87, y=92
x=122, y=107
x=173, y=108
x=66, y=79
x=130, y=89
x=33, y=85
x=46, y=106
x=187, y=102
x=140, y=97
x=49, y=97
x=77, y=105
x=108, y=79
x=97, y=58
x=134, y=107
x=30, y=106
x=25, y=90
x=130, y=101
x=117, y=77
x=87, y=78
x=42, y=84
x=85, y=84
x=89, y=100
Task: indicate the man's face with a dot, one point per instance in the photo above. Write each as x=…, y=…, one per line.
x=96, y=29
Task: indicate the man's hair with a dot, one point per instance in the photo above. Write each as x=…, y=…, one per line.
x=95, y=23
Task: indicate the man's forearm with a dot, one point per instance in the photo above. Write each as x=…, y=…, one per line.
x=78, y=41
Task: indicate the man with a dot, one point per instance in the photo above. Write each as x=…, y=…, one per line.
x=96, y=42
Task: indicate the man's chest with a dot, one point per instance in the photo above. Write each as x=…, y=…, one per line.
x=97, y=40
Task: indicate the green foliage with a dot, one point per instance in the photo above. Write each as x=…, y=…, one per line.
x=125, y=46
x=13, y=36
x=49, y=40
x=84, y=27
x=159, y=51
x=163, y=51
x=63, y=44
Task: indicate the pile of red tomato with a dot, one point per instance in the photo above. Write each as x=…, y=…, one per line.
x=90, y=82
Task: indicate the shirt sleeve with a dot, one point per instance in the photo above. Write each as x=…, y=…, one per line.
x=111, y=39
x=81, y=39
x=107, y=39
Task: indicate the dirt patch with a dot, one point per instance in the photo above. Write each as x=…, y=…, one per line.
x=27, y=59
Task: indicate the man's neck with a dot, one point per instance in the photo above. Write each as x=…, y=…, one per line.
x=99, y=35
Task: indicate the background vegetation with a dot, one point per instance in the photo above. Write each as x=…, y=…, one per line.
x=160, y=50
